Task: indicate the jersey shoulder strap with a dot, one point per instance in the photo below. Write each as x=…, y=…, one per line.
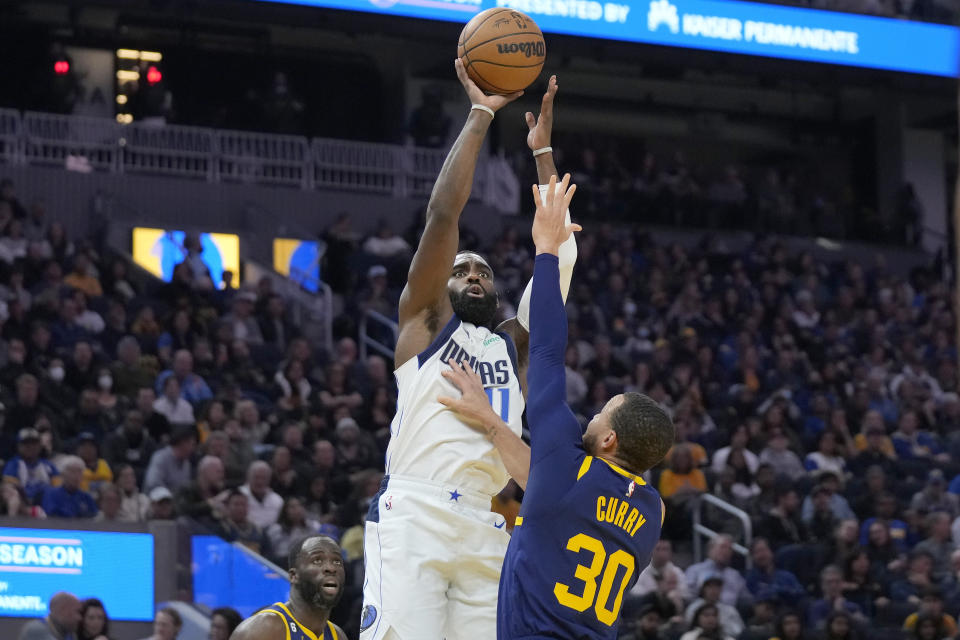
x=294, y=628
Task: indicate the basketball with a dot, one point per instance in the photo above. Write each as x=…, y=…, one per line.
x=502, y=50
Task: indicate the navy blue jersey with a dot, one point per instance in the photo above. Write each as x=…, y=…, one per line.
x=586, y=527
x=295, y=630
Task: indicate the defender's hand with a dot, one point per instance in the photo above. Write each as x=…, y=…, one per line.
x=549, y=222
x=477, y=96
x=542, y=127
x=473, y=405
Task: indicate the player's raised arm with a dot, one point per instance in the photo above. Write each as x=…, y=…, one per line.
x=547, y=408
x=427, y=280
x=539, y=135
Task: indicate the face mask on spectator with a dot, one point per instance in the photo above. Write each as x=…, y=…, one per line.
x=105, y=382
x=56, y=374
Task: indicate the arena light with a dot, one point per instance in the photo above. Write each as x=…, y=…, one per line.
x=153, y=75
x=61, y=67
x=128, y=54
x=126, y=75
x=151, y=56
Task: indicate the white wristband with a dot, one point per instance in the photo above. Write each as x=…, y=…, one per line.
x=483, y=107
x=541, y=151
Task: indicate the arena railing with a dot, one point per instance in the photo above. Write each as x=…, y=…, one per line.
x=99, y=144
x=57, y=140
x=701, y=531
x=10, y=136
x=264, y=159
x=369, y=342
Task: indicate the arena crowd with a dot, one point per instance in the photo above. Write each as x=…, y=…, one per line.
x=818, y=397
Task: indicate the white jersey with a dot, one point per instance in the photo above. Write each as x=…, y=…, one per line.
x=427, y=440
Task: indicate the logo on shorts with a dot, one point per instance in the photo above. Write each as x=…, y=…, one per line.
x=388, y=503
x=367, y=617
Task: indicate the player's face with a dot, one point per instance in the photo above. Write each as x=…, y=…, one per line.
x=472, y=291
x=600, y=427
x=319, y=575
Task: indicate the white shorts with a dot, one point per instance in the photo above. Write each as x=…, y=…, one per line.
x=433, y=555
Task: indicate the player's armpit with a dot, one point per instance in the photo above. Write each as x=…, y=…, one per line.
x=262, y=626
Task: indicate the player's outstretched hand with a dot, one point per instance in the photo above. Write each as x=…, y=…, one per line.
x=477, y=96
x=473, y=405
x=550, y=229
x=541, y=127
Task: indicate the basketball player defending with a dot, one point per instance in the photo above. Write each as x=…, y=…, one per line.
x=316, y=584
x=589, y=522
x=432, y=548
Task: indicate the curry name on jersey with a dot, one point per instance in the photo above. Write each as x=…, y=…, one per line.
x=427, y=440
x=565, y=576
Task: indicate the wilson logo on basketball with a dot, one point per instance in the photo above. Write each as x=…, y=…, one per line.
x=529, y=49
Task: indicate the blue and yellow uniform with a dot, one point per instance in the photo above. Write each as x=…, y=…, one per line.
x=295, y=630
x=586, y=527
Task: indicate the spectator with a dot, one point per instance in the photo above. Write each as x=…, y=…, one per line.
x=934, y=497
x=237, y=527
x=827, y=456
x=929, y=627
x=760, y=625
x=129, y=374
x=838, y=505
x=130, y=444
x=294, y=523
x=170, y=466
x=719, y=555
x=275, y=326
x=778, y=455
x=96, y=471
x=161, y=504
x=646, y=624
x=789, y=627
x=223, y=621
x=69, y=500
x=193, y=388
x=912, y=444
x=353, y=453
x=840, y=626
x=134, y=506
x=938, y=542
x=242, y=322
x=884, y=509
x=782, y=525
x=82, y=278
x=919, y=576
x=28, y=469
x=60, y=624
x=661, y=562
x=386, y=244
x=15, y=504
x=94, y=624
x=166, y=625
x=264, y=503
x=158, y=427
x=171, y=404
x=706, y=625
x=730, y=621
x=860, y=585
x=931, y=606
x=202, y=499
x=765, y=577
x=832, y=600
x=681, y=481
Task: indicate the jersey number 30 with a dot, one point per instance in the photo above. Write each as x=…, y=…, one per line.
x=600, y=564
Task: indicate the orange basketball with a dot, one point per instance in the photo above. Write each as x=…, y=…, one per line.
x=502, y=50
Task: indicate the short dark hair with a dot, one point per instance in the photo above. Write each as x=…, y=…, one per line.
x=232, y=616
x=644, y=431
x=297, y=547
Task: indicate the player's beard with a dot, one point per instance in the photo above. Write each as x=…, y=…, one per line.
x=315, y=596
x=477, y=311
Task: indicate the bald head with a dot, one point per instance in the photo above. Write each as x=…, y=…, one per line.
x=65, y=611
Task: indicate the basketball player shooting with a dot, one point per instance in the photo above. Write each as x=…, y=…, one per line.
x=588, y=522
x=433, y=550
x=316, y=584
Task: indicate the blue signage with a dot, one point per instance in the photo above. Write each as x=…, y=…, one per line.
x=716, y=25
x=225, y=575
x=115, y=567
